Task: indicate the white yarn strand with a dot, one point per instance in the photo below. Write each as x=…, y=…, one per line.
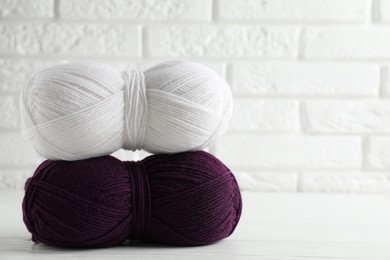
x=136, y=110
x=81, y=110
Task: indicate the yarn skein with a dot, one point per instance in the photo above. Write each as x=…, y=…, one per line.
x=185, y=199
x=76, y=111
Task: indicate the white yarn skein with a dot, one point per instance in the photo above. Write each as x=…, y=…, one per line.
x=81, y=110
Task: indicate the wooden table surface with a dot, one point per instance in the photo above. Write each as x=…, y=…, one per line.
x=273, y=226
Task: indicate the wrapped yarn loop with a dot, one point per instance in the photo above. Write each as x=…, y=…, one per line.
x=136, y=110
x=141, y=199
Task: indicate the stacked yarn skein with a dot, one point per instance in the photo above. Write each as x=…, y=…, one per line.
x=78, y=111
x=188, y=198
x=75, y=115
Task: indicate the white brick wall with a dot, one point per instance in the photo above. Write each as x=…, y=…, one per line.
x=347, y=116
x=297, y=10
x=70, y=39
x=256, y=115
x=227, y=41
x=305, y=79
x=284, y=152
x=346, y=43
x=26, y=8
x=176, y=10
x=311, y=79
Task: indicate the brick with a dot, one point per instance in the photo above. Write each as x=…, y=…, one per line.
x=350, y=182
x=386, y=81
x=177, y=10
x=348, y=116
x=372, y=42
x=26, y=8
x=70, y=39
x=14, y=151
x=251, y=115
x=218, y=67
x=267, y=181
x=378, y=152
x=9, y=112
x=289, y=151
x=298, y=10
x=14, y=73
x=14, y=179
x=222, y=41
x=301, y=79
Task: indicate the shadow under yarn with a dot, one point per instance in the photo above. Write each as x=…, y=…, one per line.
x=185, y=199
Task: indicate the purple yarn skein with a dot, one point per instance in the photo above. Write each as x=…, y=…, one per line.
x=185, y=199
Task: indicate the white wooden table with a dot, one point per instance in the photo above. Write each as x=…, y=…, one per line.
x=273, y=226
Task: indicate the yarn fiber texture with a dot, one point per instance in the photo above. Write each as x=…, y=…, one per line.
x=81, y=110
x=186, y=199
